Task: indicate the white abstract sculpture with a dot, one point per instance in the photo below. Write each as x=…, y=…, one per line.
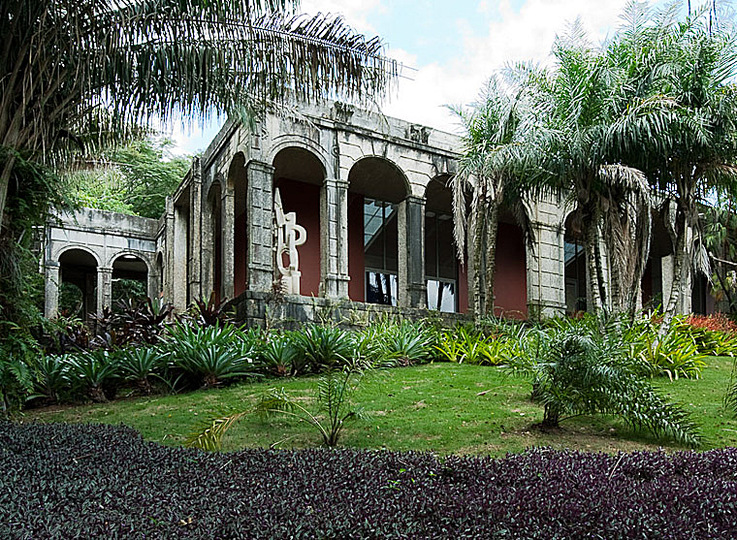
x=289, y=236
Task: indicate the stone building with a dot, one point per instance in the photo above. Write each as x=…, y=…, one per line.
x=369, y=193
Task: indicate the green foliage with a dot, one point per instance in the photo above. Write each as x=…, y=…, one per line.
x=93, y=371
x=580, y=371
x=471, y=346
x=52, y=380
x=325, y=347
x=212, y=354
x=333, y=407
x=401, y=342
x=132, y=179
x=140, y=365
x=281, y=356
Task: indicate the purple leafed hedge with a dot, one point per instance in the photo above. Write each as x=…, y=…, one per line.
x=90, y=481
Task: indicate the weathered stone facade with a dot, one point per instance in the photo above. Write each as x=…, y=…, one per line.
x=371, y=192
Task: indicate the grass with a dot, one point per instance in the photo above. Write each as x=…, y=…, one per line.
x=434, y=407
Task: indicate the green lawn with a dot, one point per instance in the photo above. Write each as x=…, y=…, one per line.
x=431, y=407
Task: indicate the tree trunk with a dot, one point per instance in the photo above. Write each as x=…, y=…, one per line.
x=492, y=226
x=4, y=185
x=681, y=269
x=593, y=266
x=478, y=236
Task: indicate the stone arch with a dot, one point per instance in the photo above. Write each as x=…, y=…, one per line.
x=305, y=144
x=300, y=175
x=78, y=247
x=79, y=267
x=377, y=190
x=129, y=267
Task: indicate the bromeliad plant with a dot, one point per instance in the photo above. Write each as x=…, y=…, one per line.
x=212, y=354
x=93, y=371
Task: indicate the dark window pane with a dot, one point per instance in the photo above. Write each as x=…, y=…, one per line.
x=381, y=288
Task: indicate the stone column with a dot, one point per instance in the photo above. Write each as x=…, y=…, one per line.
x=412, y=247
x=51, y=289
x=227, y=252
x=334, y=238
x=546, y=264
x=180, y=263
x=104, y=288
x=260, y=226
x=168, y=282
x=195, y=232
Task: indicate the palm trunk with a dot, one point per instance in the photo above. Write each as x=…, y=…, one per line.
x=492, y=227
x=4, y=185
x=478, y=230
x=593, y=266
x=681, y=268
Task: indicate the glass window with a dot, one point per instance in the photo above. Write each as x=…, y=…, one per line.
x=381, y=288
x=575, y=276
x=380, y=240
x=441, y=266
x=441, y=295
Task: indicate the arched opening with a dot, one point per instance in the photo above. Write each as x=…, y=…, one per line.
x=215, y=223
x=78, y=274
x=238, y=182
x=575, y=265
x=375, y=190
x=130, y=280
x=299, y=176
x=445, y=277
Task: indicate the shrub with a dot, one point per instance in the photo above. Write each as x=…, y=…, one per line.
x=211, y=354
x=90, y=481
x=281, y=357
x=325, y=347
x=141, y=365
x=94, y=372
x=390, y=343
x=52, y=380
x=579, y=371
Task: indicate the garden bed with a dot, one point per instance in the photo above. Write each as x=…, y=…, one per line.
x=66, y=481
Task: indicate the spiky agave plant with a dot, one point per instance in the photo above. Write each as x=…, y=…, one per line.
x=577, y=373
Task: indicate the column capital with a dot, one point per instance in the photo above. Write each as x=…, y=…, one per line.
x=414, y=199
x=104, y=270
x=260, y=166
x=337, y=183
x=52, y=265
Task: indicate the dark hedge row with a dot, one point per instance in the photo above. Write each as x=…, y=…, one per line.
x=84, y=481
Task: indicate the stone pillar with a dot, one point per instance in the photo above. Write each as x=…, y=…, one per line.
x=260, y=226
x=195, y=232
x=546, y=264
x=412, y=250
x=168, y=283
x=51, y=289
x=228, y=242
x=179, y=278
x=334, y=238
x=104, y=288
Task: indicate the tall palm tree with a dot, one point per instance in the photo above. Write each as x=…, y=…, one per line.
x=487, y=171
x=688, y=69
x=576, y=105
x=88, y=70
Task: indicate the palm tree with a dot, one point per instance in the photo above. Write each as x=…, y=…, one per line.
x=487, y=172
x=87, y=71
x=687, y=70
x=576, y=105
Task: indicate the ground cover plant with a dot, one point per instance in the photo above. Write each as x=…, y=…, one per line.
x=62, y=481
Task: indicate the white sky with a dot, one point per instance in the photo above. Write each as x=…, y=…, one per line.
x=454, y=46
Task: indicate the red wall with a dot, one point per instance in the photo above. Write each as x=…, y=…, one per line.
x=239, y=248
x=304, y=199
x=356, y=267
x=462, y=287
x=510, y=281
